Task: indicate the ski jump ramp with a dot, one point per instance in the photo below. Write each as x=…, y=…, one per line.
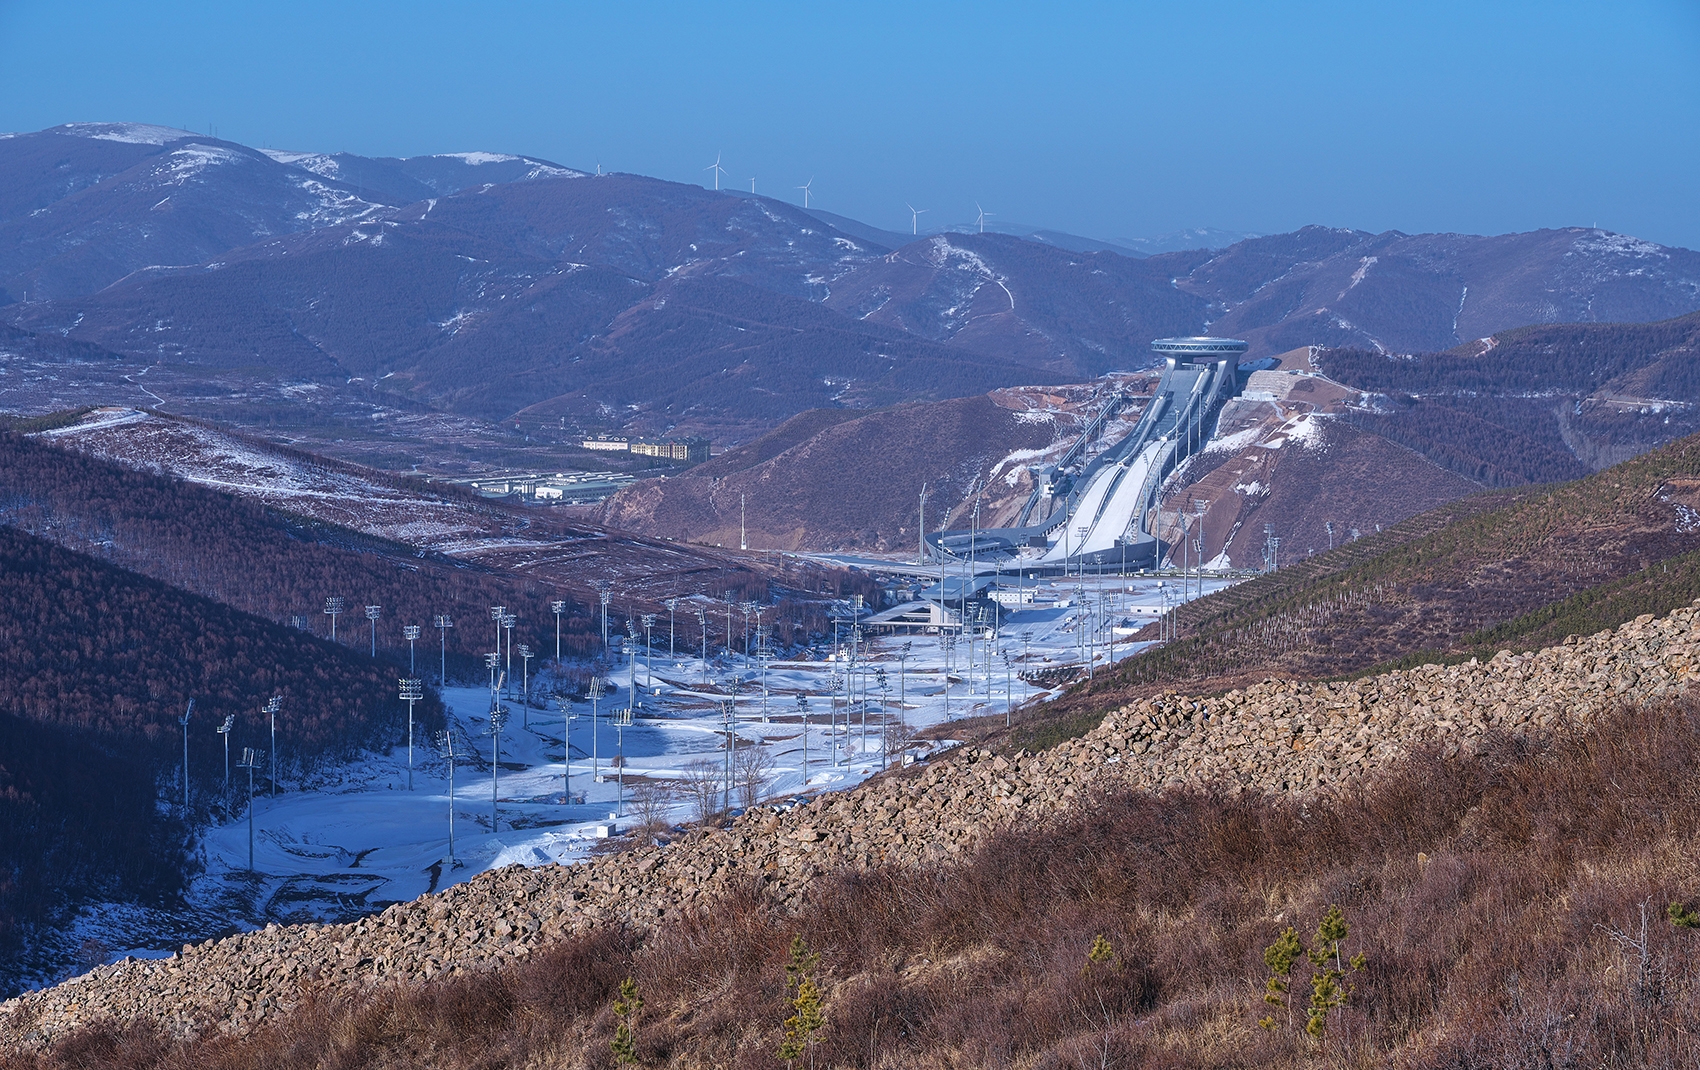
x=1099, y=522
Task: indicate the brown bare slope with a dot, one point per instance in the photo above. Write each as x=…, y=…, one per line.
x=855, y=484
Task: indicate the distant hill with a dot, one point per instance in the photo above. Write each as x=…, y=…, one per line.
x=1413, y=293
x=496, y=286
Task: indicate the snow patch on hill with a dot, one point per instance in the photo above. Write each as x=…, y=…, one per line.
x=316, y=162
x=130, y=133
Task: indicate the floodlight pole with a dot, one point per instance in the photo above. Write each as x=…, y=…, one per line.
x=832, y=715
x=250, y=760
x=412, y=690
x=671, y=604
x=444, y=622
x=333, y=607
x=274, y=704
x=903, y=682
x=728, y=721
x=411, y=633
x=622, y=718
x=446, y=740
x=567, y=719
x=508, y=622
x=526, y=655
x=702, y=619
x=596, y=692
x=184, y=721
x=224, y=730
x=557, y=607
x=648, y=665
x=803, y=710
x=498, y=718
x=372, y=614
x=606, y=594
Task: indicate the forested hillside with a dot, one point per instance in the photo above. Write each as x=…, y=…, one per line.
x=1537, y=404
x=96, y=666
x=267, y=562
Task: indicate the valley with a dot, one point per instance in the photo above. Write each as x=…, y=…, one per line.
x=1053, y=622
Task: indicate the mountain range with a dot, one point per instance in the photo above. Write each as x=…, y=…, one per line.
x=509, y=288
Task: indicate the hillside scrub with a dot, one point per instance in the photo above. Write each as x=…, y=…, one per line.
x=1510, y=908
x=1501, y=569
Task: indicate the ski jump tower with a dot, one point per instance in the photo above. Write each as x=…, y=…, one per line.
x=1100, y=522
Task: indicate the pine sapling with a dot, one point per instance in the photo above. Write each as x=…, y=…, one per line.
x=807, y=1004
x=1280, y=958
x=1101, y=953
x=626, y=1009
x=1681, y=917
x=1327, y=992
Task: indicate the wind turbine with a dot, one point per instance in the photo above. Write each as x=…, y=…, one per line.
x=805, y=188
x=915, y=217
x=982, y=219
x=717, y=169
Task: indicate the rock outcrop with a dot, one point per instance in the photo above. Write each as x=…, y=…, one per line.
x=1278, y=736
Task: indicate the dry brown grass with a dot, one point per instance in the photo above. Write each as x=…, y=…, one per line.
x=1499, y=900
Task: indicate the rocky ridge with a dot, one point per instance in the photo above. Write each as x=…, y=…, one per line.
x=1278, y=736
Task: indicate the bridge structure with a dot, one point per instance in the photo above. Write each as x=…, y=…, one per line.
x=1100, y=510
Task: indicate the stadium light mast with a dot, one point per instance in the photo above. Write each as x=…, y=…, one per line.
x=525, y=655
x=412, y=690
x=372, y=614
x=921, y=532
x=622, y=721
x=184, y=721
x=274, y=704
x=605, y=593
x=498, y=720
x=557, y=607
x=568, y=716
x=334, y=608
x=671, y=604
x=443, y=623
x=596, y=693
x=803, y=712
x=446, y=742
x=508, y=622
x=648, y=650
x=224, y=730
x=702, y=619
x=411, y=633
x=250, y=761
x=728, y=722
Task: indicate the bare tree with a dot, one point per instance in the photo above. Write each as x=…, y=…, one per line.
x=752, y=767
x=702, y=784
x=650, y=799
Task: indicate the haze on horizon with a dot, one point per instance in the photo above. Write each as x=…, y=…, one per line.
x=1109, y=120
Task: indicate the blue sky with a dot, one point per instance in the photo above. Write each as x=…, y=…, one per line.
x=1106, y=119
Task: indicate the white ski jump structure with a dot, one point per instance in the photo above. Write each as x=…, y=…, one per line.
x=1113, y=496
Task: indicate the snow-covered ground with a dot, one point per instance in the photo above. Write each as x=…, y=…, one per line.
x=356, y=837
